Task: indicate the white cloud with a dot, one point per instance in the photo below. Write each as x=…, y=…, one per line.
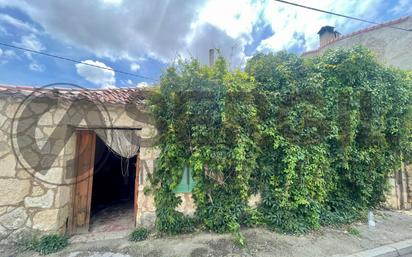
x=207, y=36
x=131, y=29
x=31, y=42
x=403, y=6
x=6, y=55
x=34, y=66
x=101, y=77
x=295, y=26
x=113, y=2
x=9, y=53
x=235, y=17
x=3, y=31
x=224, y=25
x=134, y=67
x=129, y=82
x=142, y=84
x=126, y=29
x=17, y=23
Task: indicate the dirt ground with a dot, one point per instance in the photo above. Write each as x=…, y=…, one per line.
x=390, y=227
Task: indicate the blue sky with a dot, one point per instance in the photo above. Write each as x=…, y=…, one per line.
x=143, y=37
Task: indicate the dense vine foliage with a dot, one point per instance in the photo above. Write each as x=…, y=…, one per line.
x=207, y=120
x=315, y=138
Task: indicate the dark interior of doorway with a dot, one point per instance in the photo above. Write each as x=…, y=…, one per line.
x=112, y=192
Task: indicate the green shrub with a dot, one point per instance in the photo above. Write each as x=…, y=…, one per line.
x=47, y=244
x=139, y=234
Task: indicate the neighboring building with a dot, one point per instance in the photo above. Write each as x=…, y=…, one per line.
x=392, y=47
x=60, y=161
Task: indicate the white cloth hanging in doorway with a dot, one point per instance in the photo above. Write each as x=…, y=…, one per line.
x=123, y=142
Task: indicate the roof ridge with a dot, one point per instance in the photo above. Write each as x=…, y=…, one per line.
x=101, y=95
x=361, y=31
x=9, y=86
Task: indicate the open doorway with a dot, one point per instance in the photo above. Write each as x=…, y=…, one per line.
x=112, y=199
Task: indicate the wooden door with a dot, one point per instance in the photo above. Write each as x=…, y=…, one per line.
x=136, y=187
x=85, y=151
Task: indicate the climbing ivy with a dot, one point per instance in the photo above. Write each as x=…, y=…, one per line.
x=293, y=166
x=315, y=138
x=207, y=120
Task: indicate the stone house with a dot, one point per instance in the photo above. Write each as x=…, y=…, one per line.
x=392, y=47
x=75, y=160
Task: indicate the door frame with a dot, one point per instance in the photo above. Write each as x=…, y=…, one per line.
x=136, y=189
x=87, y=179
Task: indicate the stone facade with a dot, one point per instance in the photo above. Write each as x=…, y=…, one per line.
x=400, y=195
x=37, y=165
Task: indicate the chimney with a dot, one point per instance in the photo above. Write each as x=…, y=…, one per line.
x=327, y=34
x=211, y=57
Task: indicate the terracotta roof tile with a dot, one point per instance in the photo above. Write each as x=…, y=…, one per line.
x=111, y=95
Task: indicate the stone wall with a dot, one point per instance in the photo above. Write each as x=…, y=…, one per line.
x=408, y=175
x=36, y=191
x=400, y=194
x=27, y=203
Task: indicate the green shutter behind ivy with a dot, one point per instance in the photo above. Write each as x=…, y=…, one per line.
x=187, y=183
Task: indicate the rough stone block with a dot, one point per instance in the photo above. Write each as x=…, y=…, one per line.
x=52, y=175
x=37, y=191
x=14, y=219
x=148, y=219
x=13, y=191
x=3, y=232
x=187, y=206
x=8, y=166
x=46, y=119
x=38, y=108
x=46, y=220
x=62, y=196
x=43, y=201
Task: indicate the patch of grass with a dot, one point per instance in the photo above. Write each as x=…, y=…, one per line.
x=139, y=234
x=354, y=231
x=239, y=239
x=47, y=244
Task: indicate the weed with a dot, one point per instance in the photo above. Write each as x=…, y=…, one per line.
x=47, y=244
x=354, y=231
x=139, y=234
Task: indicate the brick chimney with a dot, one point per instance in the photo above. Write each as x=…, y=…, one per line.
x=327, y=34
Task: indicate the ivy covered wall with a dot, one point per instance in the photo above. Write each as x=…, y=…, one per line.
x=317, y=139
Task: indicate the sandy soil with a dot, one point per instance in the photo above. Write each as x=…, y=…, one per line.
x=390, y=227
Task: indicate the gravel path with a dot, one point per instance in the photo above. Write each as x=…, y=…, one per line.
x=390, y=227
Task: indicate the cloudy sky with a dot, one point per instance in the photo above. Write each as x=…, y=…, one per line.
x=143, y=37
